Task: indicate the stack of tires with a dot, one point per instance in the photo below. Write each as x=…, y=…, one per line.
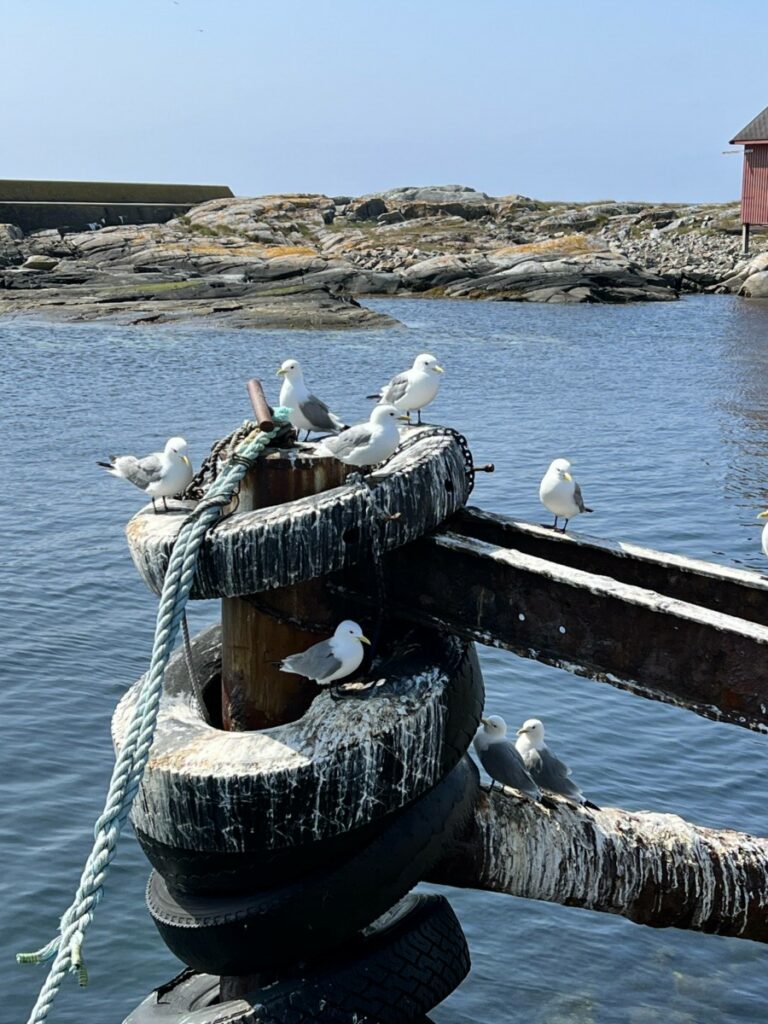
x=284, y=859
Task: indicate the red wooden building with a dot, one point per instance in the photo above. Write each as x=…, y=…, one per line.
x=754, y=186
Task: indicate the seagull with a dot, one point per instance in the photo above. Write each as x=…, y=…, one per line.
x=411, y=390
x=560, y=493
x=160, y=475
x=764, y=515
x=365, y=444
x=500, y=757
x=331, y=659
x=548, y=771
x=307, y=411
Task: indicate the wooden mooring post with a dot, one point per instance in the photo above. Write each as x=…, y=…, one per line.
x=255, y=693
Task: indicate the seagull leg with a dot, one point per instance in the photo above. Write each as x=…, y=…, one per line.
x=154, y=506
x=165, y=504
x=566, y=523
x=554, y=525
x=418, y=417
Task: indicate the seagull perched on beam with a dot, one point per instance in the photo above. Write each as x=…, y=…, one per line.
x=331, y=659
x=160, y=475
x=548, y=771
x=500, y=758
x=307, y=411
x=413, y=389
x=560, y=493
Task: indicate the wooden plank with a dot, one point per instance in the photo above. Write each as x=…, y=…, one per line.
x=655, y=869
x=631, y=637
x=739, y=592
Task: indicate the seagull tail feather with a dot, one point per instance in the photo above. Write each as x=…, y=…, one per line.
x=590, y=805
x=105, y=465
x=377, y=395
x=588, y=509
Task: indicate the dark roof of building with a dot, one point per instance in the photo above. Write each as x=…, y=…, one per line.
x=755, y=131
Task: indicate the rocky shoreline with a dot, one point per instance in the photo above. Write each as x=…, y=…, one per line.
x=307, y=261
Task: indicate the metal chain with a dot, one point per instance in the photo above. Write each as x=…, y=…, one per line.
x=223, y=451
x=458, y=437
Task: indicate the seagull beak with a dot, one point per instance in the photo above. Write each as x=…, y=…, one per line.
x=763, y=515
x=281, y=372
x=567, y=476
x=520, y=731
x=364, y=640
x=185, y=458
x=485, y=721
x=438, y=369
x=404, y=419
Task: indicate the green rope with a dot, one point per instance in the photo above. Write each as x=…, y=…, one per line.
x=66, y=948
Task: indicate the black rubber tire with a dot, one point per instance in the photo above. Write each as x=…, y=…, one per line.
x=279, y=546
x=411, y=959
x=301, y=921
x=342, y=766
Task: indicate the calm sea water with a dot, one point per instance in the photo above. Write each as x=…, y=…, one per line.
x=663, y=409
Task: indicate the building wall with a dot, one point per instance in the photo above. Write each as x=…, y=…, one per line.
x=754, y=190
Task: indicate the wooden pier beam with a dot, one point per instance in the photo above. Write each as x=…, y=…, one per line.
x=655, y=869
x=594, y=625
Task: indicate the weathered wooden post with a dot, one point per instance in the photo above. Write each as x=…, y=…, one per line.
x=255, y=693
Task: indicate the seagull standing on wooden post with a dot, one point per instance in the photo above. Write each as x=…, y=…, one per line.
x=307, y=411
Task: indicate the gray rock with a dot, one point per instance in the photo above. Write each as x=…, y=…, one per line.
x=756, y=286
x=39, y=262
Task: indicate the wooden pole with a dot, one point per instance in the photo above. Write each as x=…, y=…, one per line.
x=255, y=694
x=745, y=239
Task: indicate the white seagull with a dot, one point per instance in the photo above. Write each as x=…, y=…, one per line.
x=548, y=771
x=560, y=493
x=413, y=389
x=331, y=659
x=764, y=535
x=307, y=411
x=365, y=444
x=160, y=475
x=500, y=758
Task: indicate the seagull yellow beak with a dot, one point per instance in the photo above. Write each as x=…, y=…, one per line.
x=763, y=515
x=404, y=419
x=567, y=476
x=185, y=458
x=485, y=721
x=438, y=369
x=520, y=731
x=364, y=640
x=281, y=372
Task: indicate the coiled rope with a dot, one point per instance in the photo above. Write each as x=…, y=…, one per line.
x=66, y=948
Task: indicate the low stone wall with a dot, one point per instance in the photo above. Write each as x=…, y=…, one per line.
x=77, y=205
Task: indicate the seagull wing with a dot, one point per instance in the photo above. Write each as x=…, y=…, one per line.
x=579, y=500
x=396, y=388
x=505, y=765
x=348, y=441
x=318, y=414
x=551, y=773
x=141, y=472
x=318, y=662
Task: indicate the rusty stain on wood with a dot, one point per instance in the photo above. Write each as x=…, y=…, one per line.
x=255, y=693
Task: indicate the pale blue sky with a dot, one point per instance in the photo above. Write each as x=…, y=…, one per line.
x=560, y=100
